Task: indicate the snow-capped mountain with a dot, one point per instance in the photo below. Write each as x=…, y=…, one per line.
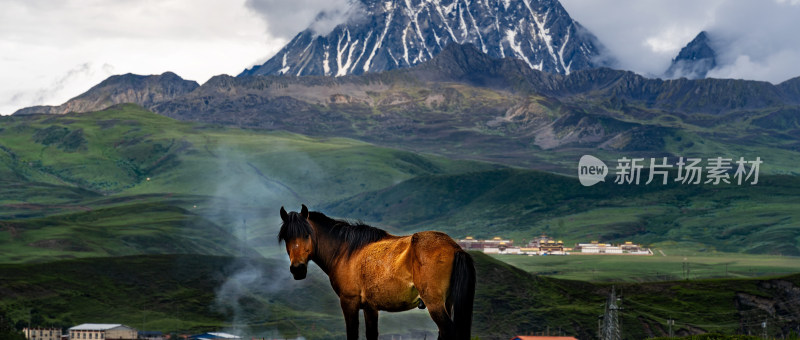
x=389, y=34
x=694, y=60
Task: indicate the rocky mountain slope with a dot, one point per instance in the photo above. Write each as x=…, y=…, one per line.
x=385, y=35
x=501, y=110
x=126, y=88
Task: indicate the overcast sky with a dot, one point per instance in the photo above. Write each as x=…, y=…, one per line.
x=53, y=50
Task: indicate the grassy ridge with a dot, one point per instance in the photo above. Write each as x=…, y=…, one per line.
x=234, y=175
x=655, y=268
x=521, y=204
x=126, y=181
x=175, y=292
x=125, y=229
x=117, y=149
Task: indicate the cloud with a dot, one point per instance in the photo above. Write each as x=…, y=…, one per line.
x=83, y=75
x=287, y=18
x=755, y=39
x=43, y=40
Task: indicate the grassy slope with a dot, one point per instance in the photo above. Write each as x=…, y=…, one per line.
x=521, y=204
x=118, y=148
x=126, y=181
x=654, y=268
x=170, y=292
x=250, y=173
x=91, y=198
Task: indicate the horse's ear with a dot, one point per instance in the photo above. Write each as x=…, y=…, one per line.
x=304, y=212
x=284, y=215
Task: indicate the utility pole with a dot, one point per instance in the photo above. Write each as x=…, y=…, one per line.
x=600, y=326
x=764, y=329
x=610, y=329
x=688, y=271
x=670, y=323
x=683, y=269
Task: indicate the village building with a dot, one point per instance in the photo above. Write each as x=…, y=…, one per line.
x=102, y=331
x=498, y=242
x=470, y=243
x=596, y=247
x=42, y=333
x=627, y=248
x=546, y=245
x=496, y=245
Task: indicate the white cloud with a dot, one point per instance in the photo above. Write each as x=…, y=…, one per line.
x=42, y=41
x=755, y=39
x=287, y=18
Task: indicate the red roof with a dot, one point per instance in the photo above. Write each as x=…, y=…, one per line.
x=533, y=337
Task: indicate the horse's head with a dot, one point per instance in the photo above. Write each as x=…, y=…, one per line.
x=297, y=233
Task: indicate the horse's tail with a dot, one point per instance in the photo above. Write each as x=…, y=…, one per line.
x=462, y=293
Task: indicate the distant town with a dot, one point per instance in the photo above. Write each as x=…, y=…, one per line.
x=544, y=245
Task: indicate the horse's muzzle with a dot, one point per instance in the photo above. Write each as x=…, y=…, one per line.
x=299, y=271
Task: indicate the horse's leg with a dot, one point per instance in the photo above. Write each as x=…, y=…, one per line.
x=431, y=269
x=350, y=311
x=371, y=321
x=442, y=319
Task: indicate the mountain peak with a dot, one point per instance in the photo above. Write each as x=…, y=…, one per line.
x=144, y=90
x=694, y=60
x=397, y=34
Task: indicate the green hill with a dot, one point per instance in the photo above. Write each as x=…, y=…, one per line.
x=126, y=216
x=126, y=181
x=115, y=150
x=200, y=293
x=521, y=204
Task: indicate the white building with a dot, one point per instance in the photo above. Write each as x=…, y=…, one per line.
x=102, y=331
x=42, y=333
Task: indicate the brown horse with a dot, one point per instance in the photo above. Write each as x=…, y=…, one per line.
x=373, y=270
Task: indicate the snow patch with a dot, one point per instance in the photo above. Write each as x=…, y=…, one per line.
x=405, y=46
x=511, y=37
x=477, y=29
x=561, y=52
x=542, y=31
x=444, y=20
x=377, y=45
x=326, y=68
x=284, y=67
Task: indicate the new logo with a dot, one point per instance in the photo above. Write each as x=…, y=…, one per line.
x=591, y=170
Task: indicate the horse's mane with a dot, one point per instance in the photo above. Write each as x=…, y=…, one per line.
x=296, y=226
x=354, y=235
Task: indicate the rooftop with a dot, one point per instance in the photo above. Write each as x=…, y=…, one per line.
x=96, y=326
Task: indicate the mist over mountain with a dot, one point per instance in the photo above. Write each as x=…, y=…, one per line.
x=385, y=35
x=695, y=60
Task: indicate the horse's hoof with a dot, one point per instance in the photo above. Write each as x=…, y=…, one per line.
x=421, y=304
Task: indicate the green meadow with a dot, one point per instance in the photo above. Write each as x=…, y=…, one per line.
x=124, y=207
x=637, y=268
